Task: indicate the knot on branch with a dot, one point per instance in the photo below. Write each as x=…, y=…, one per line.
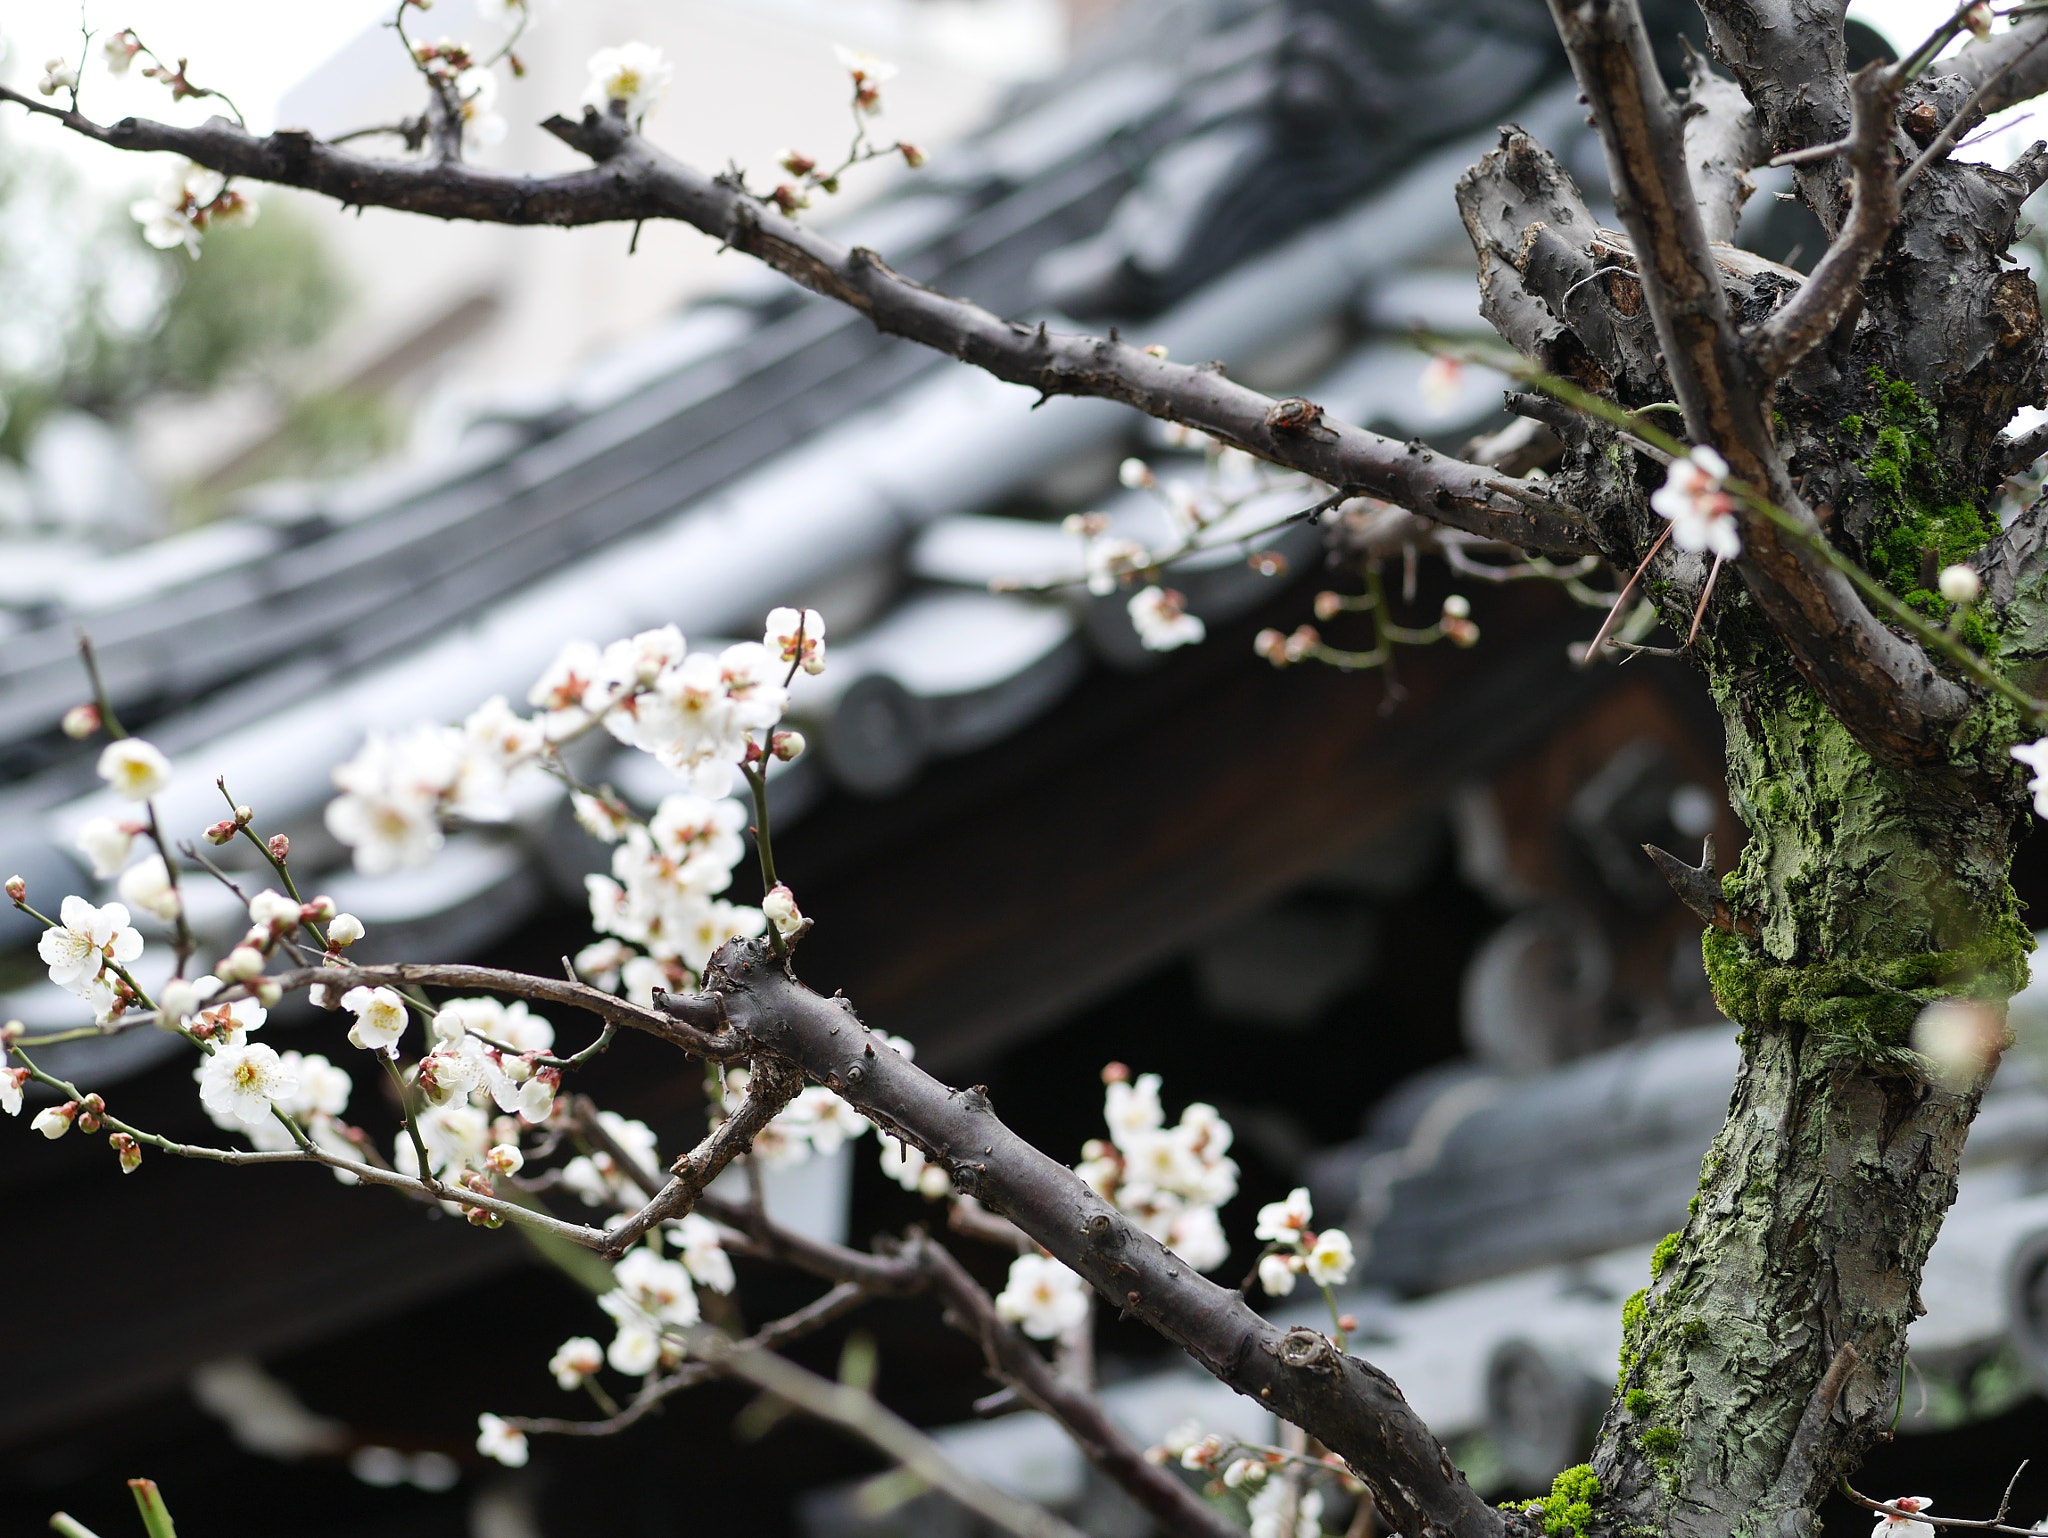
x=1306, y=1350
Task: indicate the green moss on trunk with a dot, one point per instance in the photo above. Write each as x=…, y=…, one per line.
x=1871, y=891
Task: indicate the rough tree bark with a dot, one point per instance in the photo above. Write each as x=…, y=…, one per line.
x=1868, y=402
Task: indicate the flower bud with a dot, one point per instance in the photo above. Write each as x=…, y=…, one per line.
x=1961, y=584
x=483, y=1219
x=1158, y=350
x=127, y=1150
x=221, y=832
x=1457, y=607
x=783, y=913
x=1978, y=18
x=318, y=911
x=55, y=1120
x=267, y=992
x=279, y=846
x=17, y=889
x=344, y=931
x=1267, y=563
x=1135, y=475
x=244, y=816
x=787, y=746
x=10, y=1033
x=1328, y=607
x=80, y=722
x=796, y=163
x=912, y=155
x=1116, y=1073
x=90, y=1112
x=1461, y=632
x=240, y=964
x=789, y=199
x=504, y=1159
x=1348, y=1323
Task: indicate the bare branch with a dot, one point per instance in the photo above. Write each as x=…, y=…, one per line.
x=813, y=1316
x=1790, y=58
x=1722, y=141
x=857, y=1411
x=1971, y=112
x=633, y=181
x=772, y=1085
x=1800, y=1458
x=1353, y=1408
x=2011, y=62
x=696, y=1032
x=1881, y=686
x=1805, y=319
x=2019, y=453
x=1012, y=1360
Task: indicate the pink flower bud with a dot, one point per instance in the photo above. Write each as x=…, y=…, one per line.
x=912, y=155
x=1271, y=645
x=796, y=163
x=318, y=911
x=1115, y=1073
x=90, y=1112
x=17, y=889
x=1328, y=605
x=81, y=721
x=221, y=832
x=244, y=816
x=787, y=746
x=280, y=847
x=127, y=1150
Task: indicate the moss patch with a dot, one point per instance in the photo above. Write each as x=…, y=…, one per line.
x=1569, y=1506
x=1660, y=1257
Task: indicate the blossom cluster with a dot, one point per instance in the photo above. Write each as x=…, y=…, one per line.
x=189, y=200
x=1249, y=1471
x=1170, y=1180
x=1292, y=1248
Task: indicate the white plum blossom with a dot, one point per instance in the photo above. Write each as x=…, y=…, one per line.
x=1277, y=1272
x=477, y=91
x=11, y=1081
x=107, y=844
x=53, y=1121
x=822, y=1118
x=797, y=638
x=1330, y=1258
x=906, y=1164
x=344, y=930
x=779, y=906
x=651, y=1292
x=864, y=65
x=1268, y=1511
x=147, y=885
x=393, y=791
x=577, y=1358
x=273, y=910
x=627, y=80
x=119, y=51
x=244, y=1082
x=2035, y=756
x=604, y=818
x=1170, y=1180
x=496, y=1439
x=188, y=200
x=58, y=75
x=133, y=769
x=1441, y=382
x=78, y=949
x=596, y=1176
x=1042, y=1298
x=1904, y=1527
x=181, y=998
x=458, y=1138
x=704, y=1257
x=1692, y=499
x=1162, y=621
x=558, y=693
x=380, y=1017
x=1285, y=1221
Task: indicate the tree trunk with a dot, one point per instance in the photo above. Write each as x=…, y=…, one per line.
x=1869, y=892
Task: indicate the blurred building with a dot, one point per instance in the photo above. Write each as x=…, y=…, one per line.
x=1403, y=939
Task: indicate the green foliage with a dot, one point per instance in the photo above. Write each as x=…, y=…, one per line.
x=1639, y=1402
x=1660, y=1442
x=1569, y=1506
x=1660, y=1257
x=96, y=320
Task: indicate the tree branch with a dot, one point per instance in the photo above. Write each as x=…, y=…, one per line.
x=1722, y=141
x=1012, y=1360
x=698, y=1032
x=1353, y=1408
x=2011, y=63
x=1804, y=321
x=633, y=181
x=1882, y=687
